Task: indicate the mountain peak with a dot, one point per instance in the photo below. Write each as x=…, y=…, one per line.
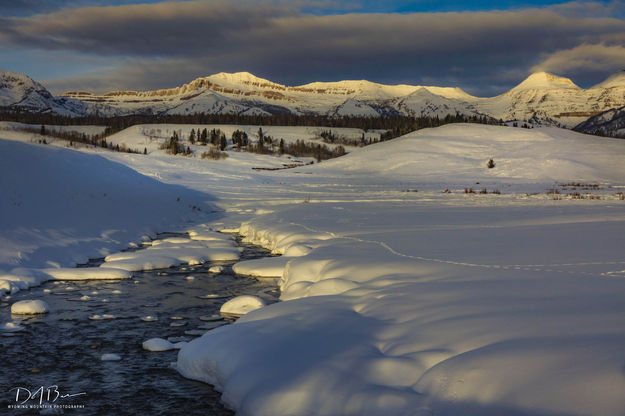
x=14, y=88
x=544, y=80
x=615, y=80
x=240, y=78
x=12, y=79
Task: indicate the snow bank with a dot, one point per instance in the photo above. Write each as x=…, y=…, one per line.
x=265, y=267
x=171, y=252
x=423, y=308
x=29, y=307
x=372, y=331
x=61, y=207
x=241, y=305
x=23, y=278
x=88, y=273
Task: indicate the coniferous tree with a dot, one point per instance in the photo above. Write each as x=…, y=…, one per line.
x=261, y=144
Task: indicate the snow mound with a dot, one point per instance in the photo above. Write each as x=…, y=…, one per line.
x=157, y=344
x=265, y=267
x=172, y=252
x=30, y=307
x=241, y=305
x=88, y=273
x=216, y=269
x=11, y=327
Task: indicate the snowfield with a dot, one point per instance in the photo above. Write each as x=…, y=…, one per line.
x=402, y=292
x=60, y=207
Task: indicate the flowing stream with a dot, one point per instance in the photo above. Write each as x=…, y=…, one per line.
x=60, y=352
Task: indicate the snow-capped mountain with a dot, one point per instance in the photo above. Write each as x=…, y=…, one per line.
x=541, y=98
x=609, y=123
x=20, y=92
x=244, y=93
x=544, y=97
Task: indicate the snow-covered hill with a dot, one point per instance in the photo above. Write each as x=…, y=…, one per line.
x=458, y=153
x=542, y=98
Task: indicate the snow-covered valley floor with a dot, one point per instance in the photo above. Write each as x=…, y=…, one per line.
x=403, y=292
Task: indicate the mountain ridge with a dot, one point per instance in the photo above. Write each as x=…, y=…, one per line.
x=541, y=98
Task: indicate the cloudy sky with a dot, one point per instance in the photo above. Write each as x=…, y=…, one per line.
x=102, y=45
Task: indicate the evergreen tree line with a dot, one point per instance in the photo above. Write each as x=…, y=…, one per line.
x=98, y=140
x=395, y=125
x=215, y=137
x=174, y=147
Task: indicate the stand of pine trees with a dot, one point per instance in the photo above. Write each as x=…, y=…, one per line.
x=395, y=125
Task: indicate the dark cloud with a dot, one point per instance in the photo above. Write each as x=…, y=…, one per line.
x=587, y=59
x=31, y=7
x=164, y=44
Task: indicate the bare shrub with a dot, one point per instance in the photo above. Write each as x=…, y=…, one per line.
x=214, y=154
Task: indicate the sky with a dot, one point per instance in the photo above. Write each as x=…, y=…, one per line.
x=484, y=47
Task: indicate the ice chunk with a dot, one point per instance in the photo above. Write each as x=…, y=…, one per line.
x=149, y=318
x=110, y=357
x=29, y=307
x=100, y=317
x=157, y=344
x=11, y=327
x=209, y=318
x=216, y=269
x=241, y=305
x=213, y=296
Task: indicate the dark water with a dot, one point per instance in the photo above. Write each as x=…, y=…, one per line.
x=63, y=348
